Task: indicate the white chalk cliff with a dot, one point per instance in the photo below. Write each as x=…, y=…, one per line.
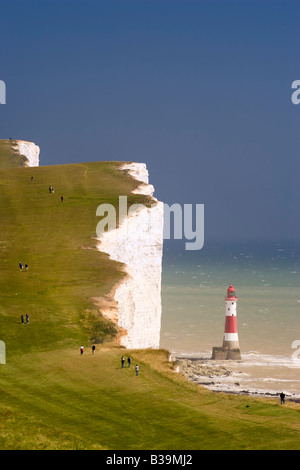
x=28, y=150
x=138, y=243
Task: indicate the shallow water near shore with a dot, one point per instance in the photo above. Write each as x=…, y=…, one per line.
x=266, y=278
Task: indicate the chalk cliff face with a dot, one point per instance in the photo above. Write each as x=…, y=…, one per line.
x=28, y=150
x=138, y=242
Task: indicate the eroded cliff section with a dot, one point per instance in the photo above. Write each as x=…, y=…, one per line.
x=18, y=154
x=29, y=150
x=138, y=243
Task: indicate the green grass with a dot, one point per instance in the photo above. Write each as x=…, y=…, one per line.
x=62, y=400
x=54, y=398
x=58, y=242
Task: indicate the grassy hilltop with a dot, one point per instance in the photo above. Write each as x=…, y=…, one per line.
x=54, y=398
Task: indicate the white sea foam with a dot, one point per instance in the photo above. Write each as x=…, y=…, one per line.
x=265, y=360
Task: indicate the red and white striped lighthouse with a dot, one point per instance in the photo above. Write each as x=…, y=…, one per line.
x=231, y=347
x=231, y=339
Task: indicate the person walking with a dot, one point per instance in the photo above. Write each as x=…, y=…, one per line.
x=81, y=349
x=137, y=370
x=22, y=319
x=282, y=398
x=93, y=349
x=129, y=361
x=27, y=318
x=122, y=361
x=21, y=266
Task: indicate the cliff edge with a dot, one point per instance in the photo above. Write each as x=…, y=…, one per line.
x=18, y=153
x=30, y=151
x=138, y=243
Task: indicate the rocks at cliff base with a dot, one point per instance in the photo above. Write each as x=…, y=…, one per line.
x=196, y=369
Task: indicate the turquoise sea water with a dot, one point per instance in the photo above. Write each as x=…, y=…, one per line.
x=266, y=277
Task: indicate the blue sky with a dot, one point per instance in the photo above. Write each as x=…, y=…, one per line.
x=198, y=90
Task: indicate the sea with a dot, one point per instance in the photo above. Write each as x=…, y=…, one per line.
x=266, y=277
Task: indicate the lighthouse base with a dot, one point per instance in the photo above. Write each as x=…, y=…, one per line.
x=224, y=353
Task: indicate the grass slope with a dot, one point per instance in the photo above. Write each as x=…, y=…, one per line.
x=57, y=240
x=54, y=398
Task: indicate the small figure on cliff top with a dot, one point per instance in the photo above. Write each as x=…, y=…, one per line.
x=61, y=199
x=129, y=361
x=22, y=319
x=21, y=266
x=122, y=361
x=27, y=318
x=93, y=349
x=26, y=267
x=81, y=349
x=137, y=370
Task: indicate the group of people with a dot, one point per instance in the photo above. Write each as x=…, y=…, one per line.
x=51, y=191
x=21, y=266
x=129, y=363
x=27, y=318
x=93, y=349
x=137, y=369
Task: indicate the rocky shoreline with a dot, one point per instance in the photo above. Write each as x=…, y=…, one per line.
x=205, y=372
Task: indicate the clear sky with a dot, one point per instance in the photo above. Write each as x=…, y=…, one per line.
x=198, y=90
